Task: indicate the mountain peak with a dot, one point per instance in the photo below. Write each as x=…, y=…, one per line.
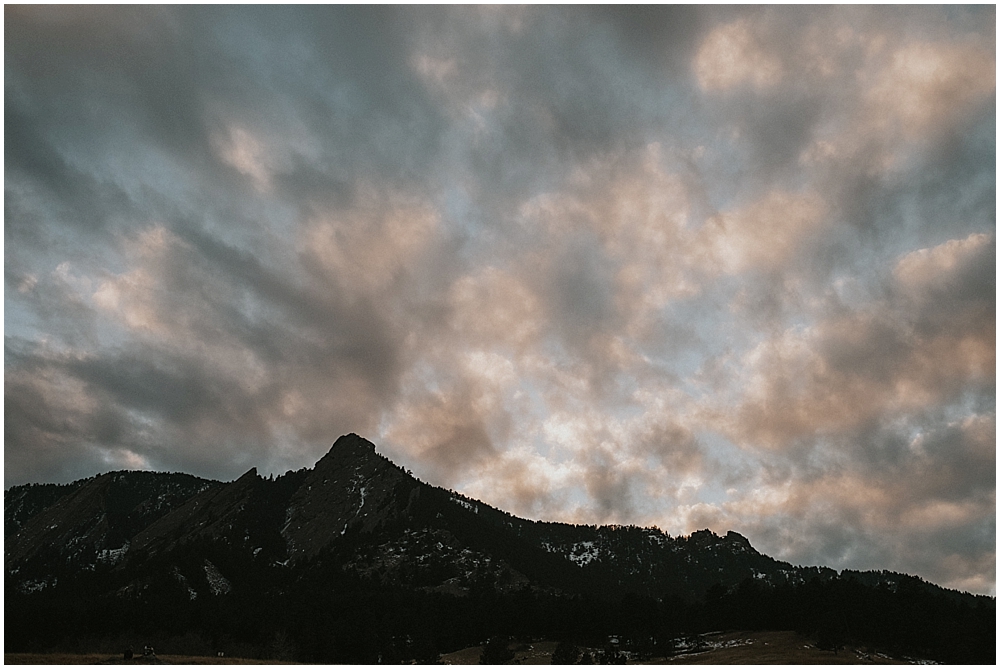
x=351, y=486
x=348, y=447
x=355, y=439
x=736, y=537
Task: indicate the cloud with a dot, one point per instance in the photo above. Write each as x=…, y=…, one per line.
x=730, y=55
x=896, y=355
x=764, y=234
x=512, y=315
x=372, y=247
x=444, y=431
x=926, y=86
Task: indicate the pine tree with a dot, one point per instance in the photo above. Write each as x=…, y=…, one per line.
x=496, y=651
x=565, y=653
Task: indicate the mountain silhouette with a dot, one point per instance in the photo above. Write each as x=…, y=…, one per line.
x=128, y=551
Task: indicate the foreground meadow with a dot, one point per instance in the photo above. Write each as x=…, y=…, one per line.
x=718, y=648
x=104, y=658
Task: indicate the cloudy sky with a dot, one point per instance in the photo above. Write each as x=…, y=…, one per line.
x=692, y=267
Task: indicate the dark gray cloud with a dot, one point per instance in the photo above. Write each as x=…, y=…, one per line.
x=680, y=266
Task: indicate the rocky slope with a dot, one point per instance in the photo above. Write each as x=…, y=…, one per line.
x=87, y=519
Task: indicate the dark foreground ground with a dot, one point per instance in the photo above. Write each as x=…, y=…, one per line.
x=104, y=658
x=718, y=648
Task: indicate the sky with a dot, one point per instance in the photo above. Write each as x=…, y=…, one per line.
x=691, y=267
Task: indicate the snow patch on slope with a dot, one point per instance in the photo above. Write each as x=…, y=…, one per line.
x=583, y=553
x=192, y=595
x=461, y=502
x=37, y=585
x=216, y=581
x=112, y=556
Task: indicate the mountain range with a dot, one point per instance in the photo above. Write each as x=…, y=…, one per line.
x=357, y=560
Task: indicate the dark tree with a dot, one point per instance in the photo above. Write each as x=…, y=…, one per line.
x=565, y=653
x=424, y=651
x=496, y=651
x=831, y=633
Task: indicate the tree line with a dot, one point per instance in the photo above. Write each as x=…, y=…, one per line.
x=324, y=614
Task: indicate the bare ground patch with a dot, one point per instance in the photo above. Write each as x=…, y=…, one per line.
x=104, y=658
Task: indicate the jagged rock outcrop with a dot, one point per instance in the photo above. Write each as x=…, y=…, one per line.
x=213, y=512
x=351, y=486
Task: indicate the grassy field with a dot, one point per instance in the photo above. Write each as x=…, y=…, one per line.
x=104, y=658
x=774, y=648
x=537, y=653
x=720, y=648
x=725, y=648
